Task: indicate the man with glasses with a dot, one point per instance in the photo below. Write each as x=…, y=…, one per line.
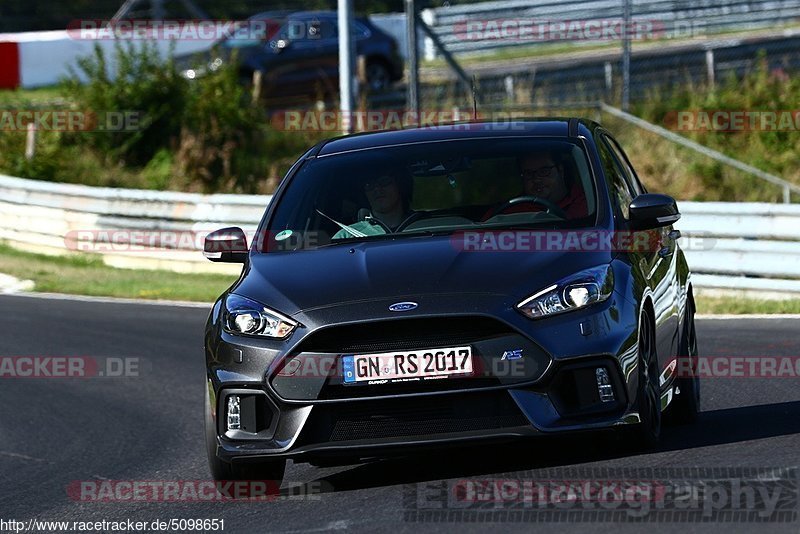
x=543, y=176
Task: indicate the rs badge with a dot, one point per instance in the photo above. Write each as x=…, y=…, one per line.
x=515, y=354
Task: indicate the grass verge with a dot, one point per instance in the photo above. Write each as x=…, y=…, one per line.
x=738, y=306
x=88, y=275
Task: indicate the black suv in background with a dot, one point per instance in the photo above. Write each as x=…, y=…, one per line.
x=298, y=54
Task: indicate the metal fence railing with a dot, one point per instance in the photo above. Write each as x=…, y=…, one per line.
x=485, y=26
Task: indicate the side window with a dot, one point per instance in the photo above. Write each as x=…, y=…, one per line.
x=618, y=186
x=622, y=158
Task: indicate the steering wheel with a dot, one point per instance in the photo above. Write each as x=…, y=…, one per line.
x=414, y=217
x=549, y=206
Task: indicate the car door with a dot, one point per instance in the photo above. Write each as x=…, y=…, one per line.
x=657, y=262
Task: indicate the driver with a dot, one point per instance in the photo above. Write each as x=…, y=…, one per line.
x=389, y=197
x=543, y=176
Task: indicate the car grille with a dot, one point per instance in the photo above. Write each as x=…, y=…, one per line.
x=403, y=334
x=392, y=427
x=415, y=416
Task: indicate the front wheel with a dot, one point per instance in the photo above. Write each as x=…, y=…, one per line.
x=648, y=398
x=686, y=405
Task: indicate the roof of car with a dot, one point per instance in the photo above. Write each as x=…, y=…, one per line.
x=548, y=127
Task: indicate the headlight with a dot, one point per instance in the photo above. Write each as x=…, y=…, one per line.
x=576, y=291
x=245, y=316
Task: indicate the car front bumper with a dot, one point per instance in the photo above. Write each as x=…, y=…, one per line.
x=301, y=418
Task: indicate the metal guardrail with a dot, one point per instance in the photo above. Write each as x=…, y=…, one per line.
x=750, y=247
x=730, y=246
x=120, y=223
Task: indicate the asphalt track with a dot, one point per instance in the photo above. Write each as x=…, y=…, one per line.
x=54, y=431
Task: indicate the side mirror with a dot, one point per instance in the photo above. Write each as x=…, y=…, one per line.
x=652, y=210
x=228, y=245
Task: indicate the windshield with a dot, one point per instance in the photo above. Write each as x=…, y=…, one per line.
x=434, y=188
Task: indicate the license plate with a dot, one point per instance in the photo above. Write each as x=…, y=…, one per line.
x=407, y=366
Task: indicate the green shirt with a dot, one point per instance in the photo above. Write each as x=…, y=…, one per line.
x=364, y=227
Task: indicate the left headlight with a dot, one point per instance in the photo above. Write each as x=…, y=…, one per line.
x=245, y=316
x=571, y=293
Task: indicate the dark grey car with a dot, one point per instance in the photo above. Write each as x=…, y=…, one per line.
x=486, y=313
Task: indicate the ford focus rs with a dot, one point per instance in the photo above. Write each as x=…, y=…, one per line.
x=445, y=285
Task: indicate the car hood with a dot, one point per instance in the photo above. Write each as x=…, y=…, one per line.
x=403, y=269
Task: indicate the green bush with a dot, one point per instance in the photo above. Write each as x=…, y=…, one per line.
x=141, y=83
x=686, y=174
x=200, y=135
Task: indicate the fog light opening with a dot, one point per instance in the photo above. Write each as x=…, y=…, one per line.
x=604, y=389
x=234, y=420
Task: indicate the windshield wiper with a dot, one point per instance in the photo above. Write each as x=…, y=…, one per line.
x=348, y=229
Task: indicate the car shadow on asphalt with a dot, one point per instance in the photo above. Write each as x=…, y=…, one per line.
x=715, y=427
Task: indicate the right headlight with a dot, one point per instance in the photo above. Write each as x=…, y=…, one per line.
x=571, y=293
x=246, y=316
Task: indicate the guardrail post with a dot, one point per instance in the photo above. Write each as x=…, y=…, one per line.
x=787, y=195
x=508, y=83
x=30, y=142
x=710, y=67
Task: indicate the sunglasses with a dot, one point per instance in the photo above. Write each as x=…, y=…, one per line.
x=383, y=181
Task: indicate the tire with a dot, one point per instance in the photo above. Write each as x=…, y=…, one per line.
x=273, y=470
x=378, y=77
x=648, y=394
x=686, y=405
